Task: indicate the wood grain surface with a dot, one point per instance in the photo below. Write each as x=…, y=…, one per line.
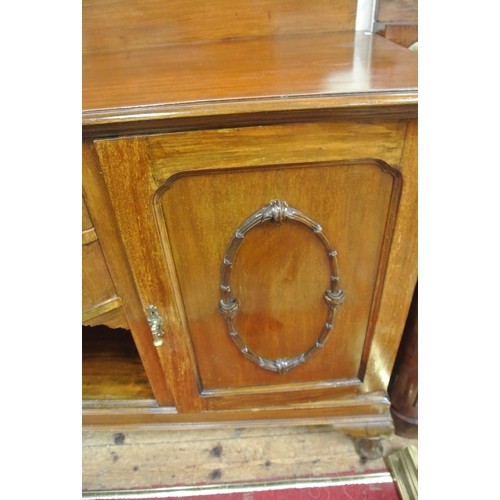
x=280, y=273
x=254, y=146
x=131, y=24
x=98, y=203
x=103, y=308
x=245, y=76
x=195, y=117
x=398, y=290
x=129, y=189
x=170, y=265
x=360, y=416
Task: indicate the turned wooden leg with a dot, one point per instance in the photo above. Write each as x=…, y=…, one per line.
x=403, y=387
x=369, y=448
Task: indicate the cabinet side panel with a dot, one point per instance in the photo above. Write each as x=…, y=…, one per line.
x=101, y=211
x=402, y=272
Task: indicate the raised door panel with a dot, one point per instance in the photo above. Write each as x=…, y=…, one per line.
x=280, y=272
x=179, y=199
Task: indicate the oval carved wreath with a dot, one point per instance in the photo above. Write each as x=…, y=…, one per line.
x=278, y=211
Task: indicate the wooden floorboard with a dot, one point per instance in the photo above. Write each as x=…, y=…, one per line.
x=125, y=459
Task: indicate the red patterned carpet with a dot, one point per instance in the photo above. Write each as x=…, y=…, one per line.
x=373, y=486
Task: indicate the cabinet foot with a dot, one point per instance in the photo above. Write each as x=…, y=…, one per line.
x=369, y=448
x=367, y=433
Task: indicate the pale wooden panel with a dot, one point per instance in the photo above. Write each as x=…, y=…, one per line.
x=121, y=458
x=97, y=286
x=86, y=220
x=397, y=11
x=281, y=272
x=129, y=24
x=191, y=457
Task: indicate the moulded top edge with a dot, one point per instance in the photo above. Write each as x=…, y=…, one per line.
x=273, y=74
x=349, y=104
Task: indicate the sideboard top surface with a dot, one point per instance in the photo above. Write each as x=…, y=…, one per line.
x=261, y=74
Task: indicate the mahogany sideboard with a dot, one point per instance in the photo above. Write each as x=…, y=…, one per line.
x=249, y=215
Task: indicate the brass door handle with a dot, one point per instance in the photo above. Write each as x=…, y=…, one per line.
x=155, y=324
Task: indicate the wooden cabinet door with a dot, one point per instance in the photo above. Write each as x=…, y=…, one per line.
x=281, y=258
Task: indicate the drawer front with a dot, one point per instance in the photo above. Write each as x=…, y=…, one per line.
x=100, y=303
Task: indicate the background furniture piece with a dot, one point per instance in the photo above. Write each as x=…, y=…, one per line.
x=397, y=20
x=250, y=191
x=403, y=387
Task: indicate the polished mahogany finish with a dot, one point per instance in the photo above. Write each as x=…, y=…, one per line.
x=126, y=25
x=247, y=76
x=184, y=138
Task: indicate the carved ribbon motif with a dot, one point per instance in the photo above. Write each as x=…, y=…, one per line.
x=277, y=211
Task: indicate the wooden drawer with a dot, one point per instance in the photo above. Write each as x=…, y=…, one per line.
x=100, y=302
